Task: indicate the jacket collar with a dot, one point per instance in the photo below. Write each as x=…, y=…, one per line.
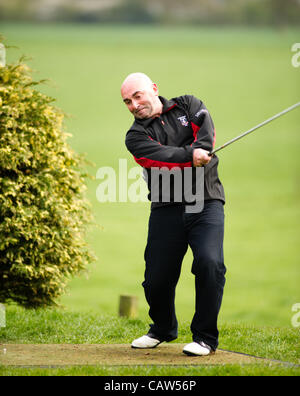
x=167, y=105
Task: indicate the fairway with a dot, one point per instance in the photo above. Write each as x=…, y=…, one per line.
x=243, y=76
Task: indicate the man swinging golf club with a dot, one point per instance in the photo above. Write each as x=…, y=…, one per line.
x=178, y=133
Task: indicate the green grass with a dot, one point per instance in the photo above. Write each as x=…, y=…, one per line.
x=58, y=326
x=243, y=76
x=230, y=370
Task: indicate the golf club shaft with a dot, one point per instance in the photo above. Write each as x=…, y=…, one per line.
x=256, y=127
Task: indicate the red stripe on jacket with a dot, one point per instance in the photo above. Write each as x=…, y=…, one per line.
x=148, y=163
x=196, y=129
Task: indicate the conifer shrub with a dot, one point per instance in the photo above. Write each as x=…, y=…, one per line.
x=43, y=209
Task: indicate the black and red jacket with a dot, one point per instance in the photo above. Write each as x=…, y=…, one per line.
x=169, y=141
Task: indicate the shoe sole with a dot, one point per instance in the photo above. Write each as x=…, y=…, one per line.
x=188, y=353
x=136, y=347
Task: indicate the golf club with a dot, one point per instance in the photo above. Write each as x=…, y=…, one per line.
x=256, y=127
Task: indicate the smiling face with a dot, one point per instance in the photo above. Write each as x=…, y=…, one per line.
x=140, y=95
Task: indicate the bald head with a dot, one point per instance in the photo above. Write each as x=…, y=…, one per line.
x=137, y=79
x=140, y=95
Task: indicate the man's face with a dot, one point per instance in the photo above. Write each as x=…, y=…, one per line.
x=140, y=99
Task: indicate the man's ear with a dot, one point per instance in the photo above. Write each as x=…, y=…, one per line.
x=155, y=89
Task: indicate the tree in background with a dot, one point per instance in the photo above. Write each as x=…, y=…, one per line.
x=198, y=12
x=284, y=12
x=43, y=211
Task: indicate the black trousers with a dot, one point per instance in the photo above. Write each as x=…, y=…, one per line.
x=170, y=232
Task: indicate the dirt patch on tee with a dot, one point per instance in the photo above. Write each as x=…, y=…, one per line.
x=112, y=355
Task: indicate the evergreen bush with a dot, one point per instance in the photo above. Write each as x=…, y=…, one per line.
x=43, y=209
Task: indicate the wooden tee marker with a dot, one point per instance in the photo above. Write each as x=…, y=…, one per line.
x=128, y=306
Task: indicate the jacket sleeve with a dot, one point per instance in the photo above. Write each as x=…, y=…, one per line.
x=149, y=153
x=203, y=127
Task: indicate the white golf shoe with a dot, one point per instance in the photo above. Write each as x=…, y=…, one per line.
x=197, y=349
x=145, y=342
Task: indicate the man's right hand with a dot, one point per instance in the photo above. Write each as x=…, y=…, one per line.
x=201, y=157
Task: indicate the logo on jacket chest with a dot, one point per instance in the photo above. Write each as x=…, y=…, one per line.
x=183, y=120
